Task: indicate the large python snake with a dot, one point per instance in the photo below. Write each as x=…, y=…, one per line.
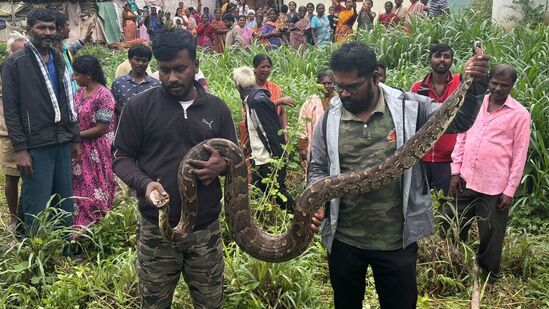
x=279, y=248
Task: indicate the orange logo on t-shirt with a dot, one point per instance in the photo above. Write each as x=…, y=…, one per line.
x=391, y=138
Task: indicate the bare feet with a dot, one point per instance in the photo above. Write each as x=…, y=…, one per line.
x=13, y=223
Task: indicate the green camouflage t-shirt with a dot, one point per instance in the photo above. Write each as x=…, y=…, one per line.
x=374, y=220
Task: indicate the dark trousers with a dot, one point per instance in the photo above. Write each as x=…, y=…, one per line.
x=394, y=276
x=438, y=175
x=491, y=223
x=52, y=174
x=266, y=171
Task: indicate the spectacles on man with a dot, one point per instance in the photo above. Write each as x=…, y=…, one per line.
x=350, y=88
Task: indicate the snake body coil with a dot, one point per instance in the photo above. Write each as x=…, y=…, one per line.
x=279, y=248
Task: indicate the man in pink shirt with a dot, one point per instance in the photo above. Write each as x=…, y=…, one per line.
x=488, y=163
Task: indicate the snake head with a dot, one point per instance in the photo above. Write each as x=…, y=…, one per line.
x=478, y=48
x=159, y=200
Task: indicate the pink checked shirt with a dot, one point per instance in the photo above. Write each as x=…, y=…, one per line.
x=490, y=156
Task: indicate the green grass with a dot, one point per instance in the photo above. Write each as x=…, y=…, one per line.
x=33, y=274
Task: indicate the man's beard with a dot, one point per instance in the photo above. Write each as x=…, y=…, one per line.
x=355, y=107
x=441, y=70
x=42, y=42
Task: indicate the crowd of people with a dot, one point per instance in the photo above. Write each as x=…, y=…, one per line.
x=235, y=24
x=59, y=137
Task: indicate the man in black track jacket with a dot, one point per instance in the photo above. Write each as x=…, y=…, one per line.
x=156, y=130
x=40, y=117
x=266, y=134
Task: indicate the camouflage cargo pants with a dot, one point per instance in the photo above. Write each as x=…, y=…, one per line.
x=160, y=263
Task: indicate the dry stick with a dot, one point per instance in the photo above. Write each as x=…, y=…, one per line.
x=475, y=295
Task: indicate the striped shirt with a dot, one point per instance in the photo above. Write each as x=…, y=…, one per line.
x=437, y=7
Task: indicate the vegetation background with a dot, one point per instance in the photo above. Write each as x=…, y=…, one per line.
x=34, y=274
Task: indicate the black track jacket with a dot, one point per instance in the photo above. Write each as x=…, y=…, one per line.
x=154, y=134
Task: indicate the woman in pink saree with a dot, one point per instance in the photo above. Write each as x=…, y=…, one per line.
x=246, y=32
x=143, y=22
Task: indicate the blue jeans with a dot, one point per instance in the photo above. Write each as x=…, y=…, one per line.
x=52, y=174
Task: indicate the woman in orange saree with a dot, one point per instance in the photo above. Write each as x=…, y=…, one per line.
x=219, y=31
x=346, y=19
x=128, y=24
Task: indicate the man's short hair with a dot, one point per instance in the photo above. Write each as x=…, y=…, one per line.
x=440, y=48
x=141, y=51
x=40, y=15
x=228, y=17
x=244, y=77
x=169, y=42
x=60, y=20
x=381, y=65
x=504, y=70
x=354, y=56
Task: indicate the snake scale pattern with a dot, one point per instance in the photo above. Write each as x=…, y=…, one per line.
x=279, y=248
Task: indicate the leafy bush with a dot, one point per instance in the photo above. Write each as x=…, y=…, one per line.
x=251, y=283
x=107, y=283
x=532, y=14
x=114, y=233
x=28, y=263
x=483, y=7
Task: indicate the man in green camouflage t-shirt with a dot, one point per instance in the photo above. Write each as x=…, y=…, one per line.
x=365, y=124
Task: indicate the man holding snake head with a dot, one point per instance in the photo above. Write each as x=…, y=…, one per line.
x=156, y=129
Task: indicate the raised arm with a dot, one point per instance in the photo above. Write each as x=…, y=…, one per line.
x=477, y=67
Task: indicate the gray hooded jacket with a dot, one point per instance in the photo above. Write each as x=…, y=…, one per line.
x=409, y=112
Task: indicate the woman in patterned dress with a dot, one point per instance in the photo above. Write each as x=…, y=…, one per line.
x=93, y=177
